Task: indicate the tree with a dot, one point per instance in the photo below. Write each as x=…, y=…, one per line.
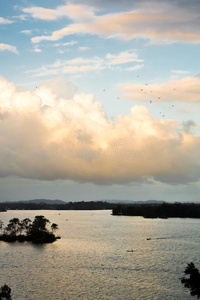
x=36, y=231
x=193, y=282
x=13, y=226
x=5, y=292
x=26, y=225
x=1, y=225
x=39, y=232
x=39, y=224
x=54, y=227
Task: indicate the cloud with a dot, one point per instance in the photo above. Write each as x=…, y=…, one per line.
x=80, y=12
x=135, y=68
x=123, y=57
x=188, y=125
x=75, y=69
x=5, y=21
x=186, y=110
x=180, y=72
x=184, y=90
x=163, y=23
x=71, y=43
x=83, y=48
x=27, y=31
x=54, y=133
x=6, y=47
x=81, y=65
x=37, y=50
x=76, y=65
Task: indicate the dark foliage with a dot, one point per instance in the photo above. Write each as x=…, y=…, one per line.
x=193, y=281
x=83, y=205
x=35, y=232
x=165, y=210
x=5, y=292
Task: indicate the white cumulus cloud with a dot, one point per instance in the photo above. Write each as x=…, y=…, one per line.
x=54, y=133
x=6, y=47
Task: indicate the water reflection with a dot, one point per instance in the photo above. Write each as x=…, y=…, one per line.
x=91, y=261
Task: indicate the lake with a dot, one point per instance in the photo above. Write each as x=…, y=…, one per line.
x=91, y=260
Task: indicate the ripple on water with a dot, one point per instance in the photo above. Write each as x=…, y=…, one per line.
x=91, y=260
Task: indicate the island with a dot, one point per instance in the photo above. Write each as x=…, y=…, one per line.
x=164, y=210
x=26, y=230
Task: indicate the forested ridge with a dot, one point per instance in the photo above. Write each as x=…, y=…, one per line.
x=165, y=210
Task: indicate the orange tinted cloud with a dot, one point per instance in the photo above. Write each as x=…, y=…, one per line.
x=54, y=133
x=184, y=90
x=165, y=24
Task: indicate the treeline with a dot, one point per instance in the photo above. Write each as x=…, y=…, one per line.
x=165, y=210
x=91, y=205
x=147, y=210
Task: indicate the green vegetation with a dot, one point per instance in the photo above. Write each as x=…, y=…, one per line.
x=165, y=210
x=193, y=281
x=5, y=293
x=26, y=230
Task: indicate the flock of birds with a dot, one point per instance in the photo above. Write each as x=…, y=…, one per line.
x=150, y=101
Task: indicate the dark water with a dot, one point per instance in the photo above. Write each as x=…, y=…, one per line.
x=91, y=260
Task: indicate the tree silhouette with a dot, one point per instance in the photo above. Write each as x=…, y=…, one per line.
x=13, y=226
x=193, y=282
x=1, y=225
x=26, y=225
x=39, y=224
x=36, y=231
x=54, y=227
x=5, y=292
x=39, y=232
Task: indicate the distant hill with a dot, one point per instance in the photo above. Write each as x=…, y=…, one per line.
x=46, y=201
x=114, y=201
x=150, y=202
x=134, y=202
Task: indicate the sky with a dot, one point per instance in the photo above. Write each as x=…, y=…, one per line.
x=100, y=100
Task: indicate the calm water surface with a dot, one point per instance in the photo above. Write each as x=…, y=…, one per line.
x=91, y=261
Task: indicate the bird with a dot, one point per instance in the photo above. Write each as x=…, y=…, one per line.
x=150, y=101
